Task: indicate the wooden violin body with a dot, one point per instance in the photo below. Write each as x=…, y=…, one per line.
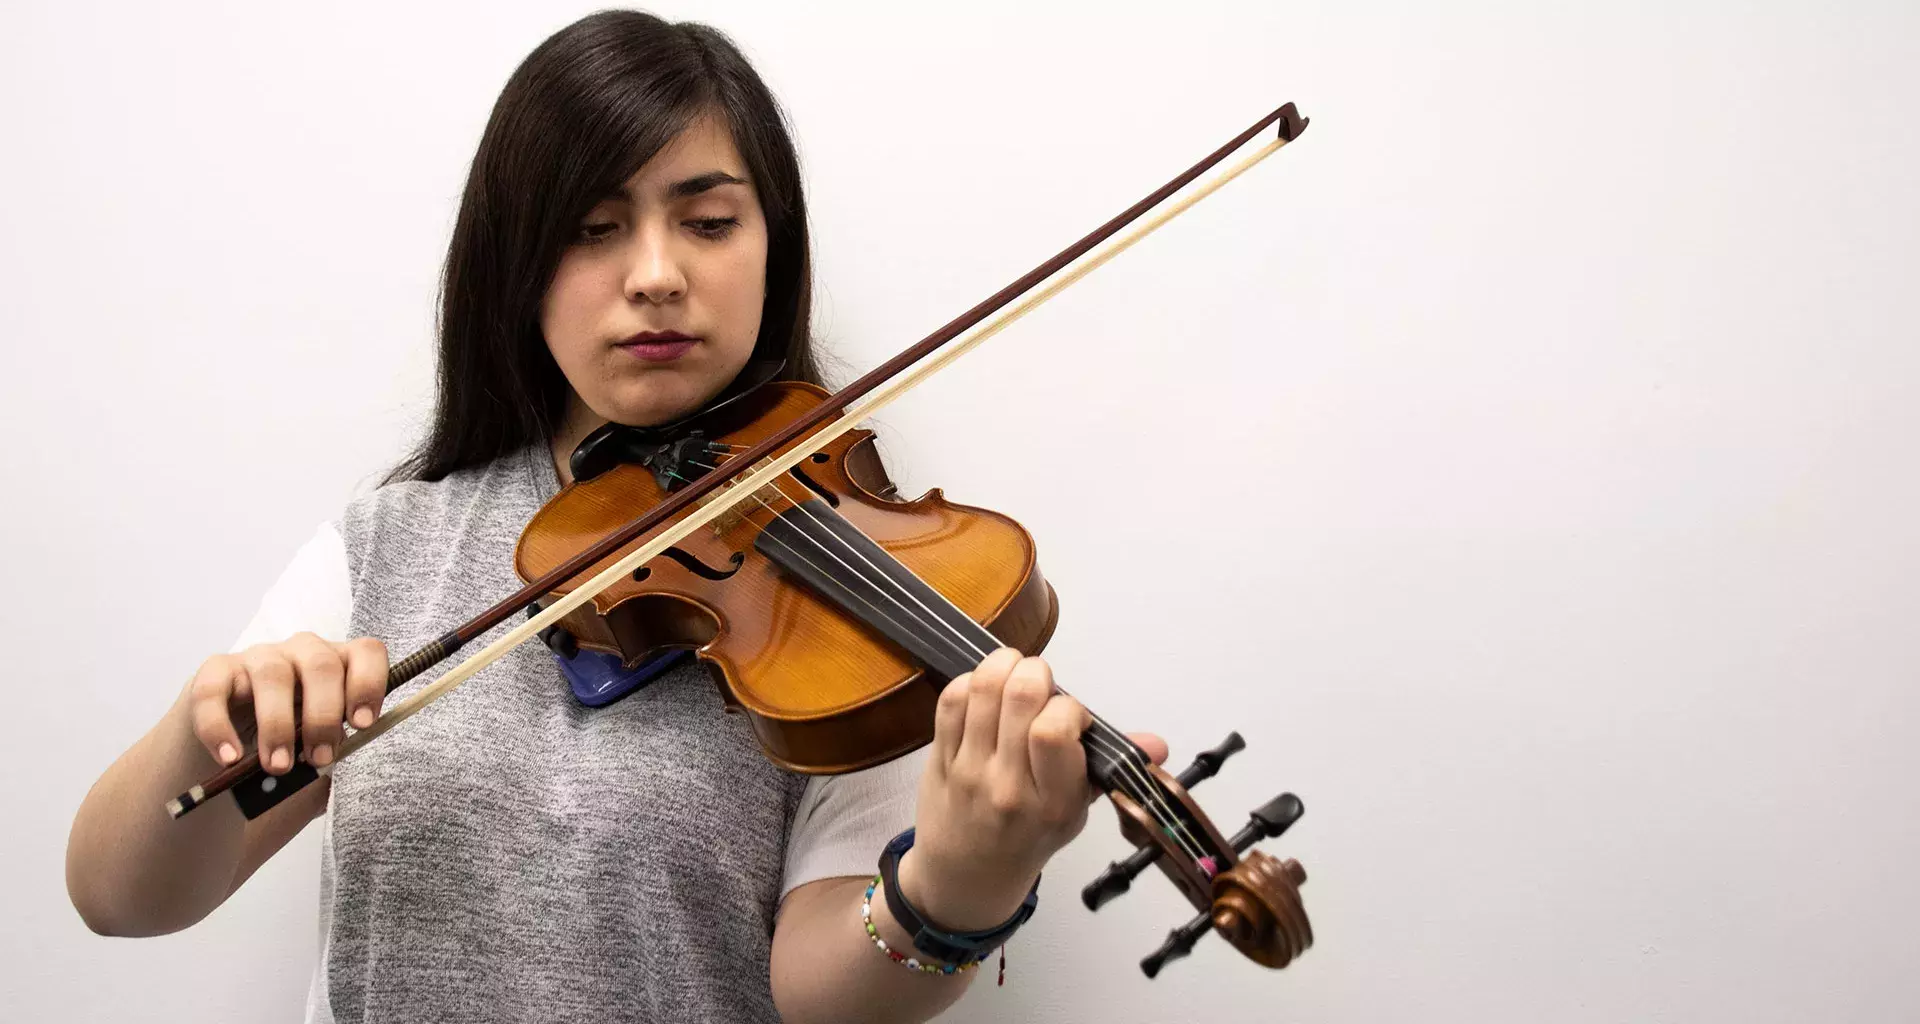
x=825, y=692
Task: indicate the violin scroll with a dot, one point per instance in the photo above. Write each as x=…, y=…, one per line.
x=1250, y=898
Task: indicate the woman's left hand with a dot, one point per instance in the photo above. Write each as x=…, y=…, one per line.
x=1005, y=788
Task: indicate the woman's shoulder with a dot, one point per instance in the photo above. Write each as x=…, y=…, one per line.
x=413, y=515
x=426, y=504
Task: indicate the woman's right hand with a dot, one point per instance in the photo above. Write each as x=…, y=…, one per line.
x=332, y=684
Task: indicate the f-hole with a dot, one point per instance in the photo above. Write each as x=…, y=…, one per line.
x=829, y=497
x=699, y=568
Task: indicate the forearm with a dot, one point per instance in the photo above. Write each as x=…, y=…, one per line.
x=132, y=870
x=1004, y=787
x=826, y=969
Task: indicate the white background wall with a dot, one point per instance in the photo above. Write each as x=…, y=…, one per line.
x=1569, y=361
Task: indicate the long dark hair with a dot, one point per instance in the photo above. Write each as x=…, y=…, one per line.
x=581, y=114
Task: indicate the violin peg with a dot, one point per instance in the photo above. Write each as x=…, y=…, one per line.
x=1269, y=820
x=1118, y=877
x=1179, y=943
x=1208, y=762
x=1279, y=814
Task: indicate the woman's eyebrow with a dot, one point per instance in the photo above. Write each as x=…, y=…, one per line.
x=693, y=186
x=701, y=183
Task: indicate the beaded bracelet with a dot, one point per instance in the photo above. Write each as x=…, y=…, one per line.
x=913, y=963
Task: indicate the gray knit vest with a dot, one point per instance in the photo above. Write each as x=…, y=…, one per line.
x=510, y=855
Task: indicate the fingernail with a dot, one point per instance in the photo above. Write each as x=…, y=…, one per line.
x=228, y=753
x=322, y=754
x=362, y=717
x=281, y=759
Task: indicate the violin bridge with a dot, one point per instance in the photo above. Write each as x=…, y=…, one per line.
x=768, y=497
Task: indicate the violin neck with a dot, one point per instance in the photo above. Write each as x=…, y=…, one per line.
x=818, y=546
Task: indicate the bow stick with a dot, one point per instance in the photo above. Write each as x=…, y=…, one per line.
x=878, y=387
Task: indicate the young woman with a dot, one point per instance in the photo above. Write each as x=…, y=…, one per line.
x=631, y=242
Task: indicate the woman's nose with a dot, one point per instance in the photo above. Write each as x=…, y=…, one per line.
x=655, y=274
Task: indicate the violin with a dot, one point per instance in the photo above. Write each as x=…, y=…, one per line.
x=830, y=611
x=824, y=610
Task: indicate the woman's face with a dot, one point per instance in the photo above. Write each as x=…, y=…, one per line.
x=656, y=304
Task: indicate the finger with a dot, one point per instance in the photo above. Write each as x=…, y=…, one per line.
x=949, y=722
x=272, y=676
x=983, y=705
x=366, y=660
x=323, y=691
x=247, y=724
x=208, y=696
x=1028, y=689
x=1058, y=760
x=1155, y=747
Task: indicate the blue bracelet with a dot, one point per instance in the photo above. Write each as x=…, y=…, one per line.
x=957, y=948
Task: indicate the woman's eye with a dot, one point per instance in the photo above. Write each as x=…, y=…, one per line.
x=591, y=233
x=713, y=227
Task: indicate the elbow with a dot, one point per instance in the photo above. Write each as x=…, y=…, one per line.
x=87, y=886
x=82, y=891
x=96, y=922
x=85, y=893
x=94, y=912
x=103, y=917
x=106, y=913
x=102, y=908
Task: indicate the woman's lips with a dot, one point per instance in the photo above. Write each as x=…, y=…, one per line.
x=658, y=346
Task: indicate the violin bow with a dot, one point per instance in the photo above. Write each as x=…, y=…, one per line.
x=258, y=791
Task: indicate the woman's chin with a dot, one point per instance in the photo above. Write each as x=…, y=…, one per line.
x=652, y=416
x=663, y=393
x=658, y=408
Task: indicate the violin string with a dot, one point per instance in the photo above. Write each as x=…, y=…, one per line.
x=966, y=643
x=1119, y=751
x=882, y=612
x=1121, y=756
x=1114, y=741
